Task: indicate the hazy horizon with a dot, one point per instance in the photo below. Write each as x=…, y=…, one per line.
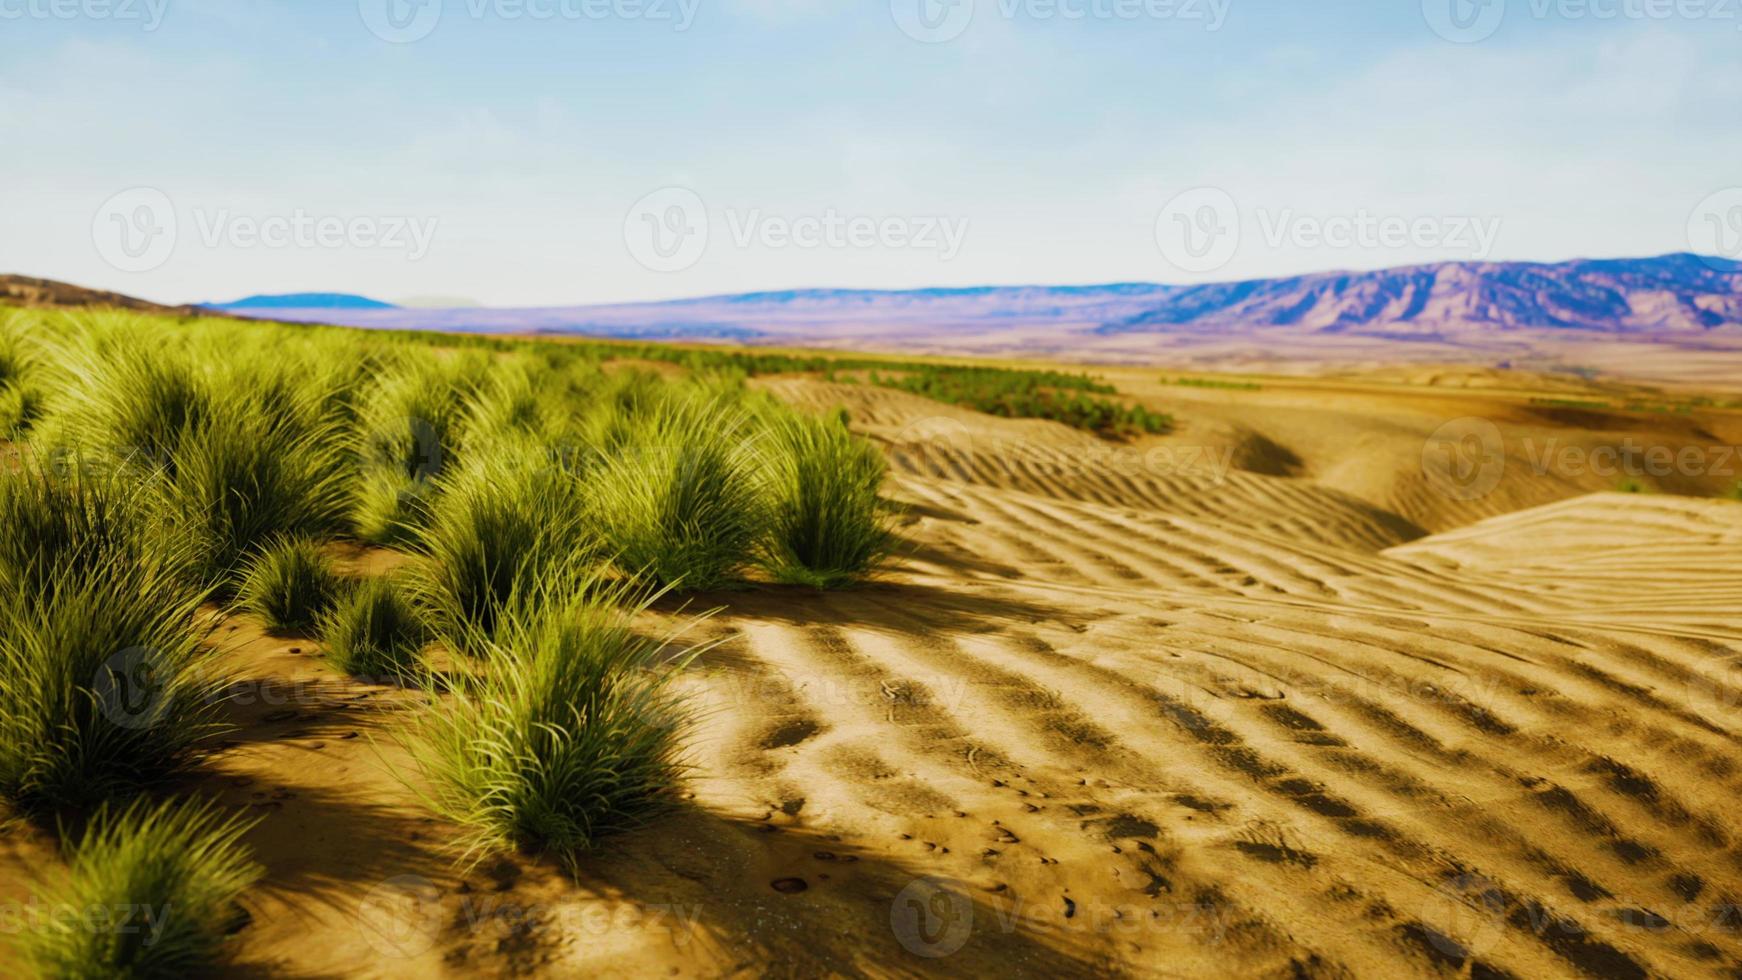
x=453, y=302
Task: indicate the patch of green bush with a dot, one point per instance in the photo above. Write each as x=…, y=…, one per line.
x=167, y=879
x=290, y=584
x=827, y=524
x=567, y=732
x=374, y=631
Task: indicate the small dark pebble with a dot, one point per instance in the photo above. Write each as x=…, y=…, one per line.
x=789, y=886
x=1070, y=908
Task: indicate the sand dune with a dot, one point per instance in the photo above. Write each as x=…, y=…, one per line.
x=1171, y=717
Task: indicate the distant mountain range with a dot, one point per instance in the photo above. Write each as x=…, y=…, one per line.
x=1675, y=295
x=1671, y=317
x=304, y=301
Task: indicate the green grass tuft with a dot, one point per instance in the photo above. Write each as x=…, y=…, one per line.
x=391, y=509
x=828, y=526
x=567, y=732
x=678, y=503
x=499, y=524
x=106, y=683
x=244, y=478
x=150, y=891
x=373, y=632
x=290, y=584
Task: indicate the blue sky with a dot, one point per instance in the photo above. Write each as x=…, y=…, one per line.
x=512, y=153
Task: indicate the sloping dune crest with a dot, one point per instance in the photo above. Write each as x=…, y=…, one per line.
x=1180, y=726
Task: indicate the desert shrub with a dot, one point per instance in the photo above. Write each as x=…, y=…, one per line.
x=20, y=407
x=567, y=732
x=57, y=514
x=373, y=631
x=243, y=478
x=290, y=584
x=389, y=508
x=499, y=524
x=132, y=399
x=827, y=525
x=676, y=502
x=178, y=869
x=105, y=681
x=410, y=420
x=511, y=402
x=21, y=402
x=618, y=406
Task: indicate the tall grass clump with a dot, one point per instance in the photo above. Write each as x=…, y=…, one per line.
x=676, y=500
x=827, y=525
x=373, y=631
x=511, y=516
x=21, y=402
x=245, y=477
x=408, y=430
x=411, y=419
x=290, y=584
x=169, y=875
x=130, y=397
x=567, y=732
x=61, y=513
x=389, y=508
x=105, y=681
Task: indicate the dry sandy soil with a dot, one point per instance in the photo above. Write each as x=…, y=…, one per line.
x=1298, y=690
